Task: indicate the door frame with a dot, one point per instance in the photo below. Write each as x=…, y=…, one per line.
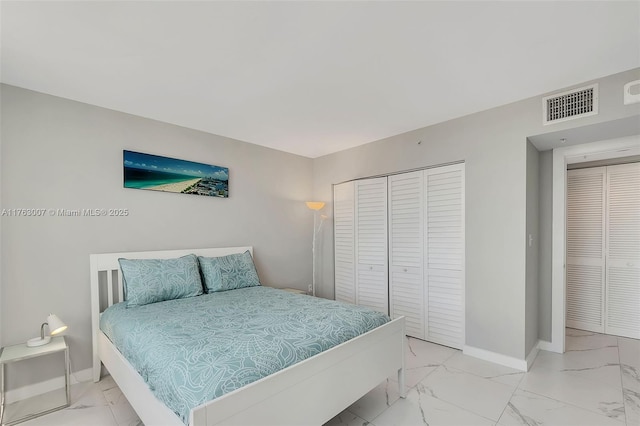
x=601, y=150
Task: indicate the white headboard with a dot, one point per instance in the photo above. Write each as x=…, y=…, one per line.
x=107, y=264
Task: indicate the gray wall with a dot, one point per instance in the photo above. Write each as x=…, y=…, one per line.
x=493, y=145
x=544, y=254
x=531, y=283
x=614, y=120
x=1, y=207
x=58, y=153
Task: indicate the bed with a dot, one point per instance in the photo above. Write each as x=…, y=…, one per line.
x=309, y=392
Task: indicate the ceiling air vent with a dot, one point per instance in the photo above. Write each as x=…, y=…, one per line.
x=569, y=105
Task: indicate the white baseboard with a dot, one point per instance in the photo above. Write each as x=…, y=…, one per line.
x=507, y=361
x=543, y=345
x=39, y=388
x=532, y=355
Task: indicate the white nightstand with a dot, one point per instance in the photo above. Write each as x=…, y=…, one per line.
x=22, y=352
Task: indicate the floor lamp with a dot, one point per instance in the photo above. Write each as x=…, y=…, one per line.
x=315, y=206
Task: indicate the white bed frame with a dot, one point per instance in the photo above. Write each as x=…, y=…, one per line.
x=308, y=393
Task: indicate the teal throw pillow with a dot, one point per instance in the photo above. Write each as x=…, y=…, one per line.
x=155, y=280
x=228, y=272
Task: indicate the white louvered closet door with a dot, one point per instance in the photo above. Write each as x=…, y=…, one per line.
x=586, y=204
x=623, y=251
x=344, y=242
x=444, y=257
x=372, y=288
x=406, y=251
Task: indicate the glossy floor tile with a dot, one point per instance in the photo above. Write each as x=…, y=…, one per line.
x=595, y=382
x=629, y=350
x=527, y=408
x=468, y=391
x=422, y=407
x=89, y=406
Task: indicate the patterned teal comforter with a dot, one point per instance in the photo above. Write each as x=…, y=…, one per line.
x=190, y=351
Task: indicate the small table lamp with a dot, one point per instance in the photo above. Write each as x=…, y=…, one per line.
x=56, y=326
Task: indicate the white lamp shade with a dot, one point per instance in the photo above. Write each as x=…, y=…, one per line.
x=56, y=325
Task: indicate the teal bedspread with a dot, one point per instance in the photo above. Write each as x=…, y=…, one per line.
x=190, y=351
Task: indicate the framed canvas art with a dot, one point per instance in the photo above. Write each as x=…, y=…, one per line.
x=156, y=173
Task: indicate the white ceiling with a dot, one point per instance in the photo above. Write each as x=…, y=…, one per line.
x=312, y=78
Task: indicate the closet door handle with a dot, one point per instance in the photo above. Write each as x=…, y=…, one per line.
x=405, y=269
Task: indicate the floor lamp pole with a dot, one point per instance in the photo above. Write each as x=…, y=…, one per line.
x=315, y=206
x=313, y=254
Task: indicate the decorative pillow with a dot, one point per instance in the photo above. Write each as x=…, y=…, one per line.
x=154, y=280
x=228, y=272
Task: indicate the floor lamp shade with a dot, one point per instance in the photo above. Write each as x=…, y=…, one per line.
x=315, y=205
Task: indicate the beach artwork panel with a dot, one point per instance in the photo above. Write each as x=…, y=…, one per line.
x=156, y=173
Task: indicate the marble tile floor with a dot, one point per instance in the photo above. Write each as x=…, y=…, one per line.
x=596, y=382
